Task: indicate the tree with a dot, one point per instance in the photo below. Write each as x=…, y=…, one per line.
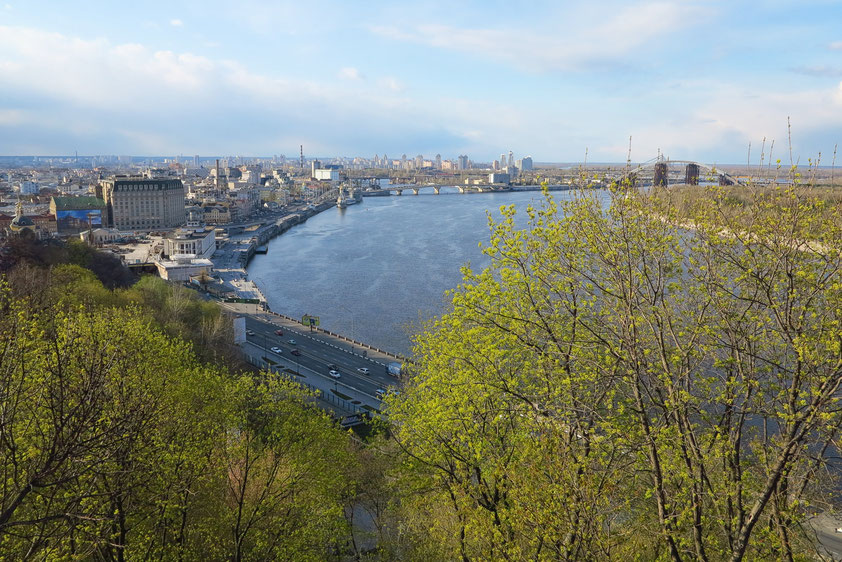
x=626, y=382
x=84, y=395
x=286, y=467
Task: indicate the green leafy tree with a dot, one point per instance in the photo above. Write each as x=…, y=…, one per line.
x=626, y=383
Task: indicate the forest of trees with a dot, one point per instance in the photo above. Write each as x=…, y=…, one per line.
x=630, y=379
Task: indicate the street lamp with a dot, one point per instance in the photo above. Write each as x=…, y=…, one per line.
x=353, y=333
x=265, y=352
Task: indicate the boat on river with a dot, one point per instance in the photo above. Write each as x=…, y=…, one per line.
x=351, y=198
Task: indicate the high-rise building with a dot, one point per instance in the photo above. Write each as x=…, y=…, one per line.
x=526, y=164
x=463, y=162
x=511, y=159
x=419, y=162
x=196, y=161
x=438, y=161
x=140, y=203
x=502, y=160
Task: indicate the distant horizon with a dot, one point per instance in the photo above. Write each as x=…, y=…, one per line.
x=554, y=80
x=292, y=159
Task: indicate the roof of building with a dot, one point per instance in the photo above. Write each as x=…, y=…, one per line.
x=78, y=203
x=189, y=233
x=20, y=222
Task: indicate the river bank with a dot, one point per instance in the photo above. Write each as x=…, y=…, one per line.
x=231, y=259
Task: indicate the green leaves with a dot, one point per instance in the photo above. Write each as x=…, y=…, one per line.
x=632, y=352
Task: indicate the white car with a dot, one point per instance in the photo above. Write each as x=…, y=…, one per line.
x=291, y=342
x=334, y=374
x=276, y=349
x=363, y=370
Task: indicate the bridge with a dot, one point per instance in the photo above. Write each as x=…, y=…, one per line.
x=659, y=171
x=474, y=188
x=661, y=168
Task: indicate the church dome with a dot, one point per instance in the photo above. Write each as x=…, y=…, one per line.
x=21, y=222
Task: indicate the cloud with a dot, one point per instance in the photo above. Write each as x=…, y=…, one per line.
x=835, y=46
x=391, y=83
x=603, y=38
x=96, y=96
x=176, y=22
x=350, y=73
x=818, y=71
x=731, y=117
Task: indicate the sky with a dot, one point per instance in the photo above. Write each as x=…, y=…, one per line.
x=560, y=81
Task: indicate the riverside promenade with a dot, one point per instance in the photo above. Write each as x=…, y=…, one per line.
x=231, y=259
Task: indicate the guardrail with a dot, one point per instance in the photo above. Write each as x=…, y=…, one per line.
x=341, y=337
x=318, y=393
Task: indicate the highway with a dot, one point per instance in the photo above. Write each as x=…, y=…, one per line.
x=317, y=353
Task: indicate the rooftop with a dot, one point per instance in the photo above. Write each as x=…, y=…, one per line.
x=78, y=203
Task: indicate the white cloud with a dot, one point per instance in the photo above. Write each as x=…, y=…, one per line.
x=391, y=83
x=176, y=22
x=835, y=46
x=350, y=73
x=731, y=117
x=130, y=98
x=10, y=117
x=594, y=37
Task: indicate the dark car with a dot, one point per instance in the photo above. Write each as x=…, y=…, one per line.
x=295, y=352
x=279, y=332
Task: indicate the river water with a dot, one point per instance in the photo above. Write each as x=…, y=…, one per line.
x=374, y=271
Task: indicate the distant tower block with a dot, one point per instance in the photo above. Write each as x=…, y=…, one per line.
x=691, y=174
x=660, y=174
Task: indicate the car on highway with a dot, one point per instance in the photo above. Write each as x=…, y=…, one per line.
x=296, y=352
x=291, y=342
x=333, y=366
x=279, y=332
x=276, y=349
x=380, y=393
x=334, y=374
x=249, y=332
x=363, y=370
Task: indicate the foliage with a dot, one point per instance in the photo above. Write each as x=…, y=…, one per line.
x=117, y=443
x=618, y=386
x=51, y=252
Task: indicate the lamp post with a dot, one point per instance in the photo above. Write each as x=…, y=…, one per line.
x=353, y=333
x=266, y=352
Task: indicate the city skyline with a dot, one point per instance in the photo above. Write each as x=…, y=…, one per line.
x=695, y=80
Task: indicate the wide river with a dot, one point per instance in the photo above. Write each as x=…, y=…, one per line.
x=376, y=270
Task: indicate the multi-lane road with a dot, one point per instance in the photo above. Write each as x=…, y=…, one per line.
x=360, y=375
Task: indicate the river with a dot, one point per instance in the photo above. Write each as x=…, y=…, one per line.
x=376, y=270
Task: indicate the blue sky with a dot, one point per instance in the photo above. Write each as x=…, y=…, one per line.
x=695, y=80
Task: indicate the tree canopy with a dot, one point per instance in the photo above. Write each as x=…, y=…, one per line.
x=624, y=382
